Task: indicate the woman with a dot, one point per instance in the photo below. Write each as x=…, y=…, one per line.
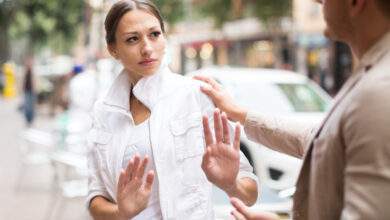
x=147, y=157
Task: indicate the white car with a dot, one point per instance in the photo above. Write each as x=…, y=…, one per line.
x=275, y=92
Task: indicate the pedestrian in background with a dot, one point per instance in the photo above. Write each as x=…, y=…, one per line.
x=29, y=95
x=346, y=159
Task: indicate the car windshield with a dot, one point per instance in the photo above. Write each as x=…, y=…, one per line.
x=279, y=98
x=304, y=98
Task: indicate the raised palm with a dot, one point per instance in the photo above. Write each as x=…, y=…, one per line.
x=221, y=161
x=133, y=193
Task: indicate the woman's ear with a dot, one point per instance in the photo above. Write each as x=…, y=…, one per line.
x=112, y=50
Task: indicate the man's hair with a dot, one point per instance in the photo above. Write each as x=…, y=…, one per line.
x=384, y=6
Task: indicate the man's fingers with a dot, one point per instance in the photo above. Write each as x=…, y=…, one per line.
x=240, y=207
x=149, y=181
x=237, y=215
x=237, y=134
x=208, y=136
x=226, y=132
x=207, y=80
x=218, y=126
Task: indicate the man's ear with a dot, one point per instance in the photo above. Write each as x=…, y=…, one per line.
x=112, y=49
x=356, y=7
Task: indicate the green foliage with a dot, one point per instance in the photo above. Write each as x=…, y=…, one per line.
x=171, y=10
x=219, y=10
x=46, y=22
x=266, y=10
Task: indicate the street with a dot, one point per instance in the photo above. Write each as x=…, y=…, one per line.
x=34, y=198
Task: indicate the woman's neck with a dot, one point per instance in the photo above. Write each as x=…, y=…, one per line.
x=134, y=78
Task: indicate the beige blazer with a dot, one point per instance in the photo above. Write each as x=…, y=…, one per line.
x=346, y=160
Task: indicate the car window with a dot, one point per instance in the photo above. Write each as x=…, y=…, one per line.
x=304, y=98
x=278, y=97
x=259, y=96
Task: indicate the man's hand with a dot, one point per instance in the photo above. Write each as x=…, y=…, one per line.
x=221, y=162
x=242, y=212
x=133, y=193
x=222, y=99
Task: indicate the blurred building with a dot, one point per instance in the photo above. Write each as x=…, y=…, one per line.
x=243, y=42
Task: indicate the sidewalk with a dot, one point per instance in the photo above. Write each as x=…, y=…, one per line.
x=35, y=198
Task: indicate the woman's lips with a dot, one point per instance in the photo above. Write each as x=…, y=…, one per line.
x=147, y=62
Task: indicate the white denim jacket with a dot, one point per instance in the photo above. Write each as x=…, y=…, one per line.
x=177, y=140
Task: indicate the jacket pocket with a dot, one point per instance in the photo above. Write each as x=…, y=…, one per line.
x=100, y=138
x=188, y=136
x=193, y=203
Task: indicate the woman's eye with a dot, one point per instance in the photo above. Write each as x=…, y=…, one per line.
x=156, y=34
x=132, y=39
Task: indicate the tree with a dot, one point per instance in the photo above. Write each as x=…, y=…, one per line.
x=47, y=23
x=267, y=10
x=6, y=15
x=171, y=10
x=226, y=10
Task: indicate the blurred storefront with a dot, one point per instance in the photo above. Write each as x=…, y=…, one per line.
x=239, y=43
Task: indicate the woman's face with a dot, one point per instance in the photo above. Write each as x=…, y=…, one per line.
x=139, y=44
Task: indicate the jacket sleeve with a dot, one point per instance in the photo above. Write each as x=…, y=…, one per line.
x=366, y=130
x=96, y=186
x=281, y=134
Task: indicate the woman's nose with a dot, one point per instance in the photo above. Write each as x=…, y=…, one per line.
x=146, y=49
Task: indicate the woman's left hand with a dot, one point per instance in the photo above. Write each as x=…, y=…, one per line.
x=221, y=162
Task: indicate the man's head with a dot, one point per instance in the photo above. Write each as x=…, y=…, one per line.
x=356, y=21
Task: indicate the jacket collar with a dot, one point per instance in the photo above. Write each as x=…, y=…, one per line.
x=148, y=89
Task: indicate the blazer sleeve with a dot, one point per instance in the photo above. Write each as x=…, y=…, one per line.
x=281, y=134
x=366, y=130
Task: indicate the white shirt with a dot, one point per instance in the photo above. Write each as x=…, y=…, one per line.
x=141, y=145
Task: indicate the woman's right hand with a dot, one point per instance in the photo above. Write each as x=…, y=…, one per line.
x=133, y=193
x=222, y=99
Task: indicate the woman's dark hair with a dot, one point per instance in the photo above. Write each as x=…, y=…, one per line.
x=122, y=7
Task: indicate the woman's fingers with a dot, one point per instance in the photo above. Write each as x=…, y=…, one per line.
x=226, y=132
x=129, y=170
x=206, y=158
x=218, y=126
x=208, y=136
x=149, y=181
x=122, y=180
x=132, y=172
x=141, y=169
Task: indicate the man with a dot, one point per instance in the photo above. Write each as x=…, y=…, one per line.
x=346, y=159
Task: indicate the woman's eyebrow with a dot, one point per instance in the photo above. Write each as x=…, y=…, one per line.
x=136, y=32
